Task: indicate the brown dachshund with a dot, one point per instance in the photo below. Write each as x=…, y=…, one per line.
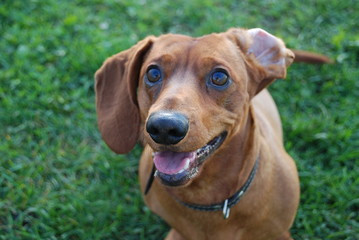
x=211, y=133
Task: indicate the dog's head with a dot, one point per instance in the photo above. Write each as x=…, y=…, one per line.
x=185, y=96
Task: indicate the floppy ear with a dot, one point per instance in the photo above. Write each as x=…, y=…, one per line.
x=267, y=54
x=116, y=98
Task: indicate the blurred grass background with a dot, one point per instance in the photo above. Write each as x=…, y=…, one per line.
x=59, y=181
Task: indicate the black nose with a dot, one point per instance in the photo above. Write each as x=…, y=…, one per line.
x=167, y=127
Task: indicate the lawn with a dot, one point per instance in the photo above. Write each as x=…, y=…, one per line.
x=58, y=180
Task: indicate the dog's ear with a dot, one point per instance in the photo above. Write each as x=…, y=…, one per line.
x=267, y=55
x=116, y=97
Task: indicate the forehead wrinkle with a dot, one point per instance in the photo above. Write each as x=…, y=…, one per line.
x=163, y=59
x=174, y=49
x=209, y=54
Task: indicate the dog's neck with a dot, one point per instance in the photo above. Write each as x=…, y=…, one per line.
x=219, y=180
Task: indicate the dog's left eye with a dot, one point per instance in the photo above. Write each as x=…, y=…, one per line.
x=219, y=78
x=153, y=74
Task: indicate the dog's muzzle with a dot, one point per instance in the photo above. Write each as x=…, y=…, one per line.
x=177, y=168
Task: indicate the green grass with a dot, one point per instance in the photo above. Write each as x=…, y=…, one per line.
x=58, y=180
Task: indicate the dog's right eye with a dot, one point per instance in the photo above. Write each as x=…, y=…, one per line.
x=153, y=74
x=219, y=79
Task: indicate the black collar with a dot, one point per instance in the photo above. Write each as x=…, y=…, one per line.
x=226, y=205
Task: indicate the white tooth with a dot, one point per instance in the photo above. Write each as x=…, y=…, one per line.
x=185, y=167
x=187, y=164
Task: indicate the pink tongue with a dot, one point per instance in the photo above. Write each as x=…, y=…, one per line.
x=173, y=162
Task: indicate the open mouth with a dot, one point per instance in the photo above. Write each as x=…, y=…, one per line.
x=177, y=168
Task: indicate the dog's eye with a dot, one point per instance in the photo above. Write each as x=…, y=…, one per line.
x=219, y=78
x=153, y=74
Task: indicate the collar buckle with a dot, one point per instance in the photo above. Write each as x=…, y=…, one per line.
x=226, y=209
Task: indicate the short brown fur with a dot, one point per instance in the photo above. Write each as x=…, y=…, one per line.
x=245, y=110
